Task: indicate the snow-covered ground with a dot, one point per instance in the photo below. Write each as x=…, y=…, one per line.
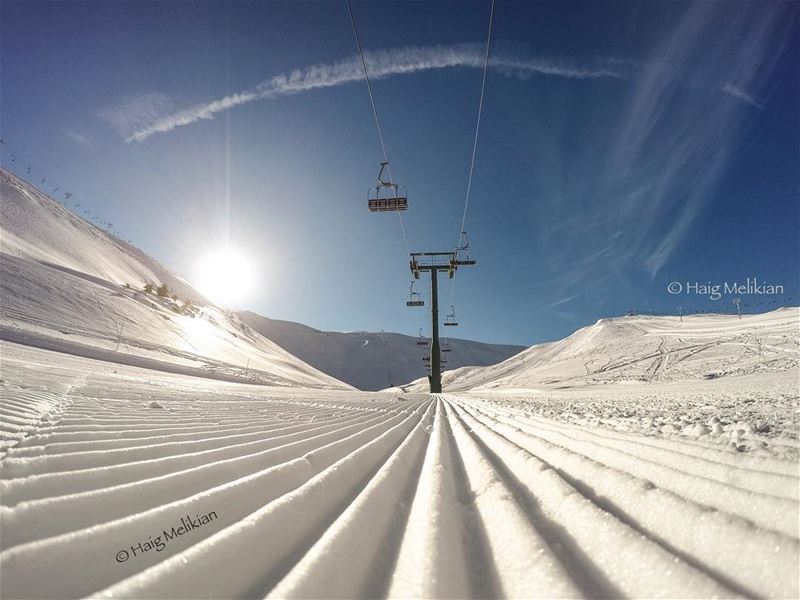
x=643, y=349
x=71, y=287
x=152, y=451
x=138, y=484
x=368, y=360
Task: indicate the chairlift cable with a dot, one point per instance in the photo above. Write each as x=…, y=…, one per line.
x=477, y=124
x=375, y=113
x=474, y=144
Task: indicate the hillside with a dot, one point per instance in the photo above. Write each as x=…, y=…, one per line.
x=68, y=286
x=643, y=349
x=553, y=477
x=369, y=361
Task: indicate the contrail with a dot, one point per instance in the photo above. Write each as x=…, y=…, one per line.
x=381, y=64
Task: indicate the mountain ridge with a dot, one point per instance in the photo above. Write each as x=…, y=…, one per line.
x=369, y=360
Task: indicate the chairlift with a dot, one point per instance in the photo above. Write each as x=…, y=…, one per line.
x=414, y=298
x=386, y=195
x=421, y=341
x=446, y=346
x=450, y=319
x=426, y=359
x=461, y=255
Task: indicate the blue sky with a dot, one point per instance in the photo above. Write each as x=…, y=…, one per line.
x=624, y=146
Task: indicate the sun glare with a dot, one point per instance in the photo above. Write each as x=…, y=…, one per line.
x=225, y=276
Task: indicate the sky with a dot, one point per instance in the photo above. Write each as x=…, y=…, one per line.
x=624, y=147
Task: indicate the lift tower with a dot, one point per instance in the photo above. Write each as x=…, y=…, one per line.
x=434, y=262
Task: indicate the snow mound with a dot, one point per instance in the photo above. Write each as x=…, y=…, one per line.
x=643, y=349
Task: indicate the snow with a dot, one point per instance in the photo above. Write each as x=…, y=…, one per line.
x=642, y=349
x=448, y=495
x=370, y=361
x=191, y=457
x=70, y=287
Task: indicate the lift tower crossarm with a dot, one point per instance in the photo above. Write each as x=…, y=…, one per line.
x=434, y=262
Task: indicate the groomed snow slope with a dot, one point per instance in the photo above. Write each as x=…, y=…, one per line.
x=36, y=227
x=139, y=484
x=62, y=287
x=369, y=361
x=637, y=349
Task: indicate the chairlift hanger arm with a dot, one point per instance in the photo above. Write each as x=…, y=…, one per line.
x=381, y=182
x=465, y=245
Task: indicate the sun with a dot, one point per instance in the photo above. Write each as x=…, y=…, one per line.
x=226, y=276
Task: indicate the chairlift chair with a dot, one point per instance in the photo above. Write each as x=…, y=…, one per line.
x=450, y=319
x=386, y=195
x=414, y=298
x=421, y=341
x=461, y=255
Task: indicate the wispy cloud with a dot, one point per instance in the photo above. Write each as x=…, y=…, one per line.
x=79, y=138
x=618, y=188
x=142, y=116
x=741, y=94
x=684, y=141
x=674, y=139
x=136, y=112
x=560, y=301
x=145, y=116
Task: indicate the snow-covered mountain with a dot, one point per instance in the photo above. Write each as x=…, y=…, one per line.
x=67, y=285
x=646, y=349
x=686, y=487
x=370, y=361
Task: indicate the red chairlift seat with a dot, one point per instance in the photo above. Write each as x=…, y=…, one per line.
x=387, y=204
x=386, y=196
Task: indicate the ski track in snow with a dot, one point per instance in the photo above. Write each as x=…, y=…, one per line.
x=324, y=493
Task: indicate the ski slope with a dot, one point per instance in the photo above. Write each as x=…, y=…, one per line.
x=370, y=361
x=642, y=349
x=335, y=494
x=67, y=286
x=37, y=228
x=151, y=451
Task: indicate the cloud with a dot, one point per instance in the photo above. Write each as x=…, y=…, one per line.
x=617, y=188
x=79, y=139
x=560, y=301
x=683, y=122
x=145, y=116
x=136, y=112
x=739, y=93
x=142, y=116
